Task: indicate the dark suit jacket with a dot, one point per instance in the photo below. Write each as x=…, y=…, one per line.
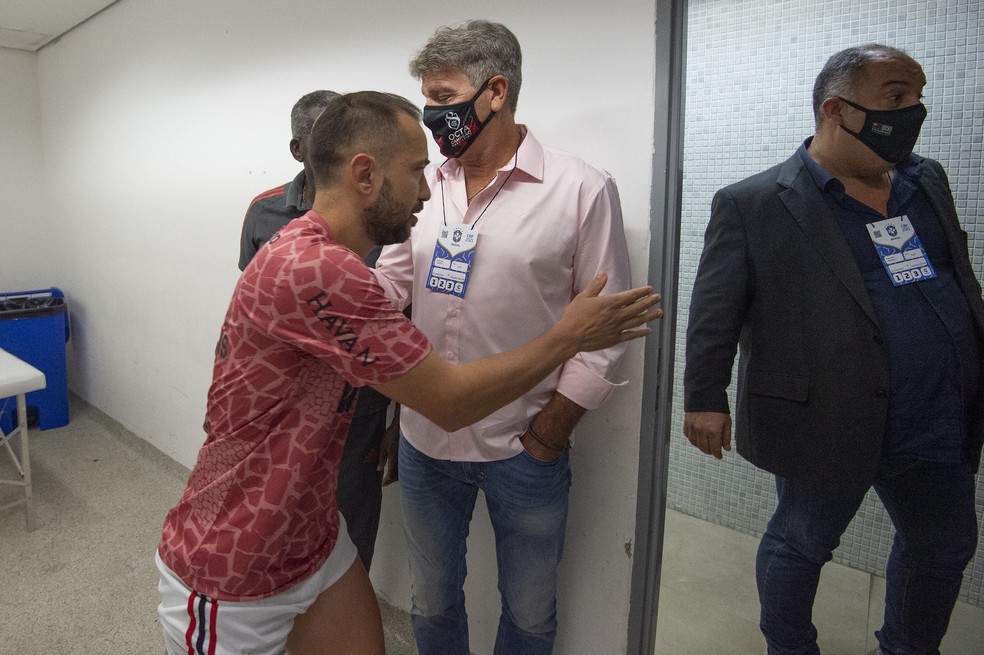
x=777, y=279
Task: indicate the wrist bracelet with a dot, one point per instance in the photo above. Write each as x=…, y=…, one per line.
x=539, y=440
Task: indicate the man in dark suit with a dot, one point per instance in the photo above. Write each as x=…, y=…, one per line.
x=844, y=278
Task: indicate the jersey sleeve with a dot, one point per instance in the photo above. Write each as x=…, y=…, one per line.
x=326, y=302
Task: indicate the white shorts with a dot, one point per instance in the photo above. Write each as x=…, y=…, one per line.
x=196, y=625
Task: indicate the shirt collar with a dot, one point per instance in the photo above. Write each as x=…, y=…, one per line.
x=911, y=168
x=529, y=160
x=295, y=193
x=317, y=223
x=824, y=180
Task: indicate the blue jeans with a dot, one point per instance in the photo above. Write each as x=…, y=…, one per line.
x=931, y=505
x=527, y=503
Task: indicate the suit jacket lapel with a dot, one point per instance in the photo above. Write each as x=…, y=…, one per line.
x=806, y=205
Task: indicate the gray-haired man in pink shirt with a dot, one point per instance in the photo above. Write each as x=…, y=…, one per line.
x=514, y=229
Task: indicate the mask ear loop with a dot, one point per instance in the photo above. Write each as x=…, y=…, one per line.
x=484, y=87
x=854, y=104
x=859, y=108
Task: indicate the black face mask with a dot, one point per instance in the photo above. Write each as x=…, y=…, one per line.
x=455, y=127
x=891, y=134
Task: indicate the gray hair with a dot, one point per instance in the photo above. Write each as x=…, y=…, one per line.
x=479, y=48
x=364, y=121
x=840, y=74
x=300, y=116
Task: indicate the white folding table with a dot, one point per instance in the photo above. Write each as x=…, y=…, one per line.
x=17, y=378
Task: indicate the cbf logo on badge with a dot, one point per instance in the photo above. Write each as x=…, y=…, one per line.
x=451, y=265
x=900, y=250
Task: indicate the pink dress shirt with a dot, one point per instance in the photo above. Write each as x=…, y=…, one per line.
x=545, y=230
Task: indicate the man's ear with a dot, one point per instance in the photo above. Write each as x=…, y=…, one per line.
x=832, y=110
x=363, y=172
x=297, y=149
x=499, y=86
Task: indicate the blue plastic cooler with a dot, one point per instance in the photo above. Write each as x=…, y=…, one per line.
x=34, y=327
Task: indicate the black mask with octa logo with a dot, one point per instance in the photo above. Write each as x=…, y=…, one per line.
x=455, y=127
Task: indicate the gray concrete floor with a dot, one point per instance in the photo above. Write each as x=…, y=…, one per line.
x=84, y=580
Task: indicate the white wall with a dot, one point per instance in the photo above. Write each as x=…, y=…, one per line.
x=21, y=217
x=161, y=120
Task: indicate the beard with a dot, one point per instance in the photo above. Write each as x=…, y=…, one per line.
x=387, y=220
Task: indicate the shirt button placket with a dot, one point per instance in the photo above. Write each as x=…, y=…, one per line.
x=453, y=330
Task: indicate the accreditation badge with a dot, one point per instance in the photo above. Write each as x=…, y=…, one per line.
x=451, y=265
x=900, y=250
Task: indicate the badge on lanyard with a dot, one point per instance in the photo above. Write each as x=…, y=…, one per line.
x=452, y=262
x=900, y=250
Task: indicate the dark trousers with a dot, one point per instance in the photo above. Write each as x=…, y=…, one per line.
x=360, y=492
x=932, y=508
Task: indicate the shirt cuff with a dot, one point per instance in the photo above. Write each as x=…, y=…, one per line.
x=584, y=386
x=396, y=298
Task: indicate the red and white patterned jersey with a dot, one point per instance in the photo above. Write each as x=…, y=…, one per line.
x=307, y=325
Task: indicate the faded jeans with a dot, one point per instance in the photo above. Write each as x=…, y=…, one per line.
x=527, y=503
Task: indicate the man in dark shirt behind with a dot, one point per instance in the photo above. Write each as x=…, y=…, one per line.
x=370, y=443
x=844, y=278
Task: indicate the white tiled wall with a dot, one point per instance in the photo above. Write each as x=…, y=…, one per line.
x=750, y=71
